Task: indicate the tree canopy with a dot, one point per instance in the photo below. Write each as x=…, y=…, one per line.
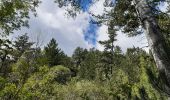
x=29, y=72
x=15, y=14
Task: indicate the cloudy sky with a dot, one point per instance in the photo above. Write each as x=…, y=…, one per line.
x=52, y=22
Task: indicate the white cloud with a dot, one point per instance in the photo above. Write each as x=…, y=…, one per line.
x=97, y=8
x=127, y=42
x=52, y=22
x=102, y=35
x=69, y=32
x=163, y=7
x=122, y=40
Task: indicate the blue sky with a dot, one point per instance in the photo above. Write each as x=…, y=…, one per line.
x=70, y=33
x=85, y=4
x=90, y=33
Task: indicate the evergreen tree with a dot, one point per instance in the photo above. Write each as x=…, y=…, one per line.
x=88, y=68
x=5, y=56
x=108, y=55
x=109, y=44
x=53, y=53
x=21, y=45
x=78, y=56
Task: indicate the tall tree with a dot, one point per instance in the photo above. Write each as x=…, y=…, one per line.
x=22, y=44
x=5, y=56
x=78, y=57
x=109, y=44
x=108, y=54
x=126, y=13
x=89, y=65
x=53, y=53
x=155, y=39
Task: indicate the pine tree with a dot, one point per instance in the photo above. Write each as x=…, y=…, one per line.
x=89, y=65
x=53, y=53
x=79, y=55
x=109, y=44
x=21, y=45
x=108, y=54
x=5, y=56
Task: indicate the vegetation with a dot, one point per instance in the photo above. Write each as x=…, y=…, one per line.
x=33, y=73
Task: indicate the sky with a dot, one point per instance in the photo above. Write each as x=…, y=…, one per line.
x=52, y=22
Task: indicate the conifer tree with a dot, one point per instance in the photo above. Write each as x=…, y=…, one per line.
x=53, y=53
x=21, y=45
x=79, y=55
x=5, y=53
x=88, y=68
x=108, y=54
x=109, y=44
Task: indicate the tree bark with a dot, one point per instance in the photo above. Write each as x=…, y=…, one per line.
x=155, y=39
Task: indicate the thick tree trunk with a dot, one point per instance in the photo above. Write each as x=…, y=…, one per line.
x=155, y=38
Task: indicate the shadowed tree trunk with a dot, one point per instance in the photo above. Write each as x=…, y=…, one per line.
x=155, y=39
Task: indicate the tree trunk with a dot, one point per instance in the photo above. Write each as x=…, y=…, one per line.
x=155, y=39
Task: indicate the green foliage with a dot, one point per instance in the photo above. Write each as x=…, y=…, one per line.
x=129, y=79
x=144, y=89
x=119, y=85
x=29, y=73
x=78, y=57
x=53, y=53
x=84, y=90
x=15, y=14
x=42, y=84
x=5, y=53
x=21, y=45
x=9, y=92
x=2, y=82
x=88, y=68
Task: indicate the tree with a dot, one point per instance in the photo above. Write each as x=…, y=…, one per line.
x=15, y=14
x=78, y=56
x=108, y=55
x=125, y=14
x=156, y=40
x=5, y=56
x=53, y=53
x=22, y=44
x=88, y=68
x=109, y=44
x=131, y=64
x=134, y=15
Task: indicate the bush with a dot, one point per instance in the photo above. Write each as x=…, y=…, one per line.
x=42, y=84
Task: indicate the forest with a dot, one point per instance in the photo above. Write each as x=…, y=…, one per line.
x=29, y=71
